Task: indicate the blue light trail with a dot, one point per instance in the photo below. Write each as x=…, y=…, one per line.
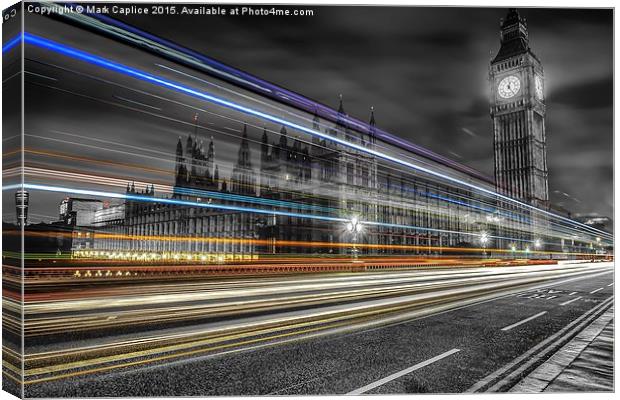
x=137, y=37
x=8, y=46
x=150, y=199
x=144, y=76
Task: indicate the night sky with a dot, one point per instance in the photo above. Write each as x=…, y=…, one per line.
x=425, y=71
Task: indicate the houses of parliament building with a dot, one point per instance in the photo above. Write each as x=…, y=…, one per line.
x=319, y=188
x=321, y=177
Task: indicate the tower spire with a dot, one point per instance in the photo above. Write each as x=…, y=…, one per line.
x=514, y=36
x=341, y=121
x=179, y=147
x=372, y=131
x=211, y=151
x=283, y=140
x=243, y=157
x=196, y=128
x=264, y=147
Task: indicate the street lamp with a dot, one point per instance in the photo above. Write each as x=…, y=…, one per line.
x=484, y=239
x=537, y=243
x=354, y=227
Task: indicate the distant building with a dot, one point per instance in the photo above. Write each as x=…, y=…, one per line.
x=76, y=211
x=321, y=176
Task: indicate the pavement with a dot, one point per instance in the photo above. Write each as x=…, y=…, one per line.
x=585, y=364
x=489, y=345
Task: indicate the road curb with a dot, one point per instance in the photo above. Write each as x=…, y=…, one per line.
x=509, y=375
x=538, y=380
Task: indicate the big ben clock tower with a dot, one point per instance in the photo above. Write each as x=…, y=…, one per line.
x=518, y=114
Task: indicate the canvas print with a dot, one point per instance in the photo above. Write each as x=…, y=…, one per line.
x=205, y=199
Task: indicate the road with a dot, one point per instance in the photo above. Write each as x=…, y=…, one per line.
x=426, y=331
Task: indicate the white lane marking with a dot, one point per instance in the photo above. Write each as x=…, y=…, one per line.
x=571, y=293
x=528, y=358
x=369, y=327
x=570, y=301
x=596, y=290
x=509, y=327
x=396, y=375
x=546, y=373
x=611, y=284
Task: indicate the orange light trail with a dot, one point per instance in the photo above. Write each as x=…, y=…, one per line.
x=292, y=243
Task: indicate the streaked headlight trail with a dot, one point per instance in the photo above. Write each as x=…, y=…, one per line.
x=114, y=66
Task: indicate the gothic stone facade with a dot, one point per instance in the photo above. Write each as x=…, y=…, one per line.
x=321, y=174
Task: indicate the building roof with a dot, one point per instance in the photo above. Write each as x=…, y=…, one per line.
x=514, y=38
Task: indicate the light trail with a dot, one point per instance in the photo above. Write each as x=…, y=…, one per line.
x=169, y=160
x=128, y=33
x=308, y=244
x=135, y=73
x=149, y=199
x=9, y=45
x=406, y=296
x=117, y=182
x=204, y=111
x=168, y=201
x=186, y=297
x=520, y=219
x=160, y=187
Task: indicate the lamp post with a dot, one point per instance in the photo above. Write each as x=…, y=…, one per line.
x=354, y=227
x=484, y=239
x=537, y=246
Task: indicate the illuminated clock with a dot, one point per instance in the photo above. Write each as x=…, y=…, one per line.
x=538, y=85
x=509, y=87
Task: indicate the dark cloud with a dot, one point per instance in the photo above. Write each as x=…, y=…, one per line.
x=445, y=39
x=594, y=94
x=477, y=107
x=567, y=17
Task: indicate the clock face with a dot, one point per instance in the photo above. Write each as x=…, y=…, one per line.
x=538, y=85
x=509, y=87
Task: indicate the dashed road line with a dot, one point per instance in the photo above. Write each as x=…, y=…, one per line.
x=596, y=290
x=406, y=371
x=534, y=354
x=509, y=327
x=611, y=284
x=572, y=293
x=570, y=301
x=538, y=380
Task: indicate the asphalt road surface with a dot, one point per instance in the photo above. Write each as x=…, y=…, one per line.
x=437, y=335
